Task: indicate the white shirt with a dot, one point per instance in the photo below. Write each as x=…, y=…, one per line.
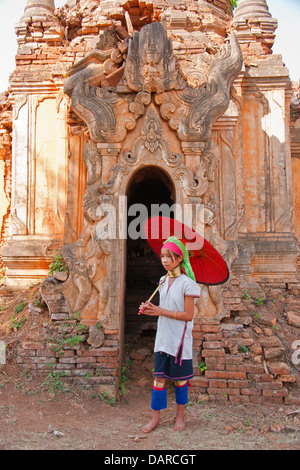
x=170, y=331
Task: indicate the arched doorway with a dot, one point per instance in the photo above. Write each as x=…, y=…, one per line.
x=152, y=188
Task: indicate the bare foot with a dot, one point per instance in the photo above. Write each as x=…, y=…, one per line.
x=151, y=425
x=179, y=424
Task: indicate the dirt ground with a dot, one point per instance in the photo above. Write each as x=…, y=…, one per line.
x=31, y=418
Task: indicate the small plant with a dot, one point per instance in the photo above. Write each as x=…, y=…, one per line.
x=16, y=324
x=124, y=377
x=244, y=349
x=246, y=296
x=54, y=383
x=256, y=316
x=202, y=366
x=58, y=264
x=74, y=341
x=19, y=308
x=259, y=301
x=98, y=372
x=105, y=396
x=98, y=325
x=247, y=423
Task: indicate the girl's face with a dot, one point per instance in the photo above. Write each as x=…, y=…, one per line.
x=170, y=260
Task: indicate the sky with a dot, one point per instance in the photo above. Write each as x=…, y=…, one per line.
x=287, y=41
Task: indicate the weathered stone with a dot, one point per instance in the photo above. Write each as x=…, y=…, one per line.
x=293, y=319
x=96, y=337
x=60, y=276
x=271, y=353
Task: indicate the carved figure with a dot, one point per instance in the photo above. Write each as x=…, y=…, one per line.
x=228, y=250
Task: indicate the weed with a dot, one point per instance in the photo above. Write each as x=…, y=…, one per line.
x=105, y=396
x=202, y=366
x=74, y=341
x=19, y=308
x=256, y=316
x=246, y=296
x=57, y=264
x=244, y=349
x=260, y=301
x=124, y=376
x=54, y=383
x=247, y=423
x=16, y=324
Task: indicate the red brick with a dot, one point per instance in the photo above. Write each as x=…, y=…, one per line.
x=256, y=400
x=85, y=360
x=225, y=375
x=213, y=337
x=32, y=345
x=99, y=352
x=238, y=383
x=269, y=385
x=213, y=353
x=200, y=382
x=217, y=391
x=251, y=391
x=279, y=368
x=212, y=344
x=276, y=400
x=239, y=399
x=197, y=335
x=252, y=369
x=211, y=328
x=275, y=393
x=217, y=383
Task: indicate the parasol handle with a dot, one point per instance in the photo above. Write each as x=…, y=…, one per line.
x=156, y=290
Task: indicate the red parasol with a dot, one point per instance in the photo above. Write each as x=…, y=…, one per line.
x=208, y=265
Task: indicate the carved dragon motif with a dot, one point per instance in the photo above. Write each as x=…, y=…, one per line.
x=192, y=112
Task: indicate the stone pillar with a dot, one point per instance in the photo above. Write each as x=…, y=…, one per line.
x=39, y=181
x=268, y=175
x=38, y=9
x=254, y=27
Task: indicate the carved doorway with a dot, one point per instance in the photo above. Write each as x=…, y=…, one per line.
x=154, y=190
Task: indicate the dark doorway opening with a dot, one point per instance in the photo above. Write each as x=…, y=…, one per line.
x=152, y=188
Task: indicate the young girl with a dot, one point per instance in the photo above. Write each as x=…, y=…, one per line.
x=173, y=349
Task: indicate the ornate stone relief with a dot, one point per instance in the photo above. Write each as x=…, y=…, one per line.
x=192, y=112
x=153, y=143
x=150, y=65
x=152, y=89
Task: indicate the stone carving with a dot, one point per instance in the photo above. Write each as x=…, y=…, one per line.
x=193, y=184
x=88, y=285
x=192, y=112
x=150, y=64
x=152, y=141
x=210, y=162
x=93, y=162
x=211, y=302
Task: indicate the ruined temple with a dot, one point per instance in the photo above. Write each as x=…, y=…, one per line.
x=115, y=103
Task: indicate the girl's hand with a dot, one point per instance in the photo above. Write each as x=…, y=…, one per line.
x=142, y=307
x=148, y=308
